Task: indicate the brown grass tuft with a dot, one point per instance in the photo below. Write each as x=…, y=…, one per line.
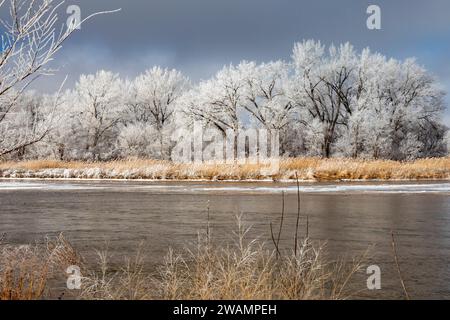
x=26, y=270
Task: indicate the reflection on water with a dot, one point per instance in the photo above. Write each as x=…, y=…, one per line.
x=351, y=217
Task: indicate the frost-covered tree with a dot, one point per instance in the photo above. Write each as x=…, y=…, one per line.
x=97, y=107
x=414, y=104
x=29, y=124
x=23, y=124
x=322, y=90
x=265, y=95
x=29, y=41
x=397, y=108
x=365, y=105
x=139, y=140
x=65, y=141
x=217, y=103
x=152, y=104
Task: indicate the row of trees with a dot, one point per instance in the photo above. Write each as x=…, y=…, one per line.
x=324, y=102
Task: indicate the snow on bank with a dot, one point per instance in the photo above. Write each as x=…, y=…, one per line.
x=379, y=188
x=223, y=187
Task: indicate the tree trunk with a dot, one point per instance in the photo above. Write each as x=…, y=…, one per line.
x=161, y=145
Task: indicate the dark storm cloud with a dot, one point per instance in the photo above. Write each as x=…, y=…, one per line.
x=199, y=36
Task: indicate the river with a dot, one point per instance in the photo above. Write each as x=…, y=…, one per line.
x=350, y=217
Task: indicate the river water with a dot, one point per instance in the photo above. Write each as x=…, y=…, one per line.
x=349, y=217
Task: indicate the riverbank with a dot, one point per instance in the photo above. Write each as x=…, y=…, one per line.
x=307, y=169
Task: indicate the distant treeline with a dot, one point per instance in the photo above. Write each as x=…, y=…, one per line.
x=324, y=102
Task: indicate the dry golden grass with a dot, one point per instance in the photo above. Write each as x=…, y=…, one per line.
x=307, y=169
x=26, y=270
x=130, y=282
x=248, y=270
x=351, y=169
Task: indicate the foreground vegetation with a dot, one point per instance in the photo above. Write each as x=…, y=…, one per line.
x=245, y=270
x=311, y=169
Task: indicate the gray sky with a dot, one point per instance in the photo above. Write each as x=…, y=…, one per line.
x=200, y=36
